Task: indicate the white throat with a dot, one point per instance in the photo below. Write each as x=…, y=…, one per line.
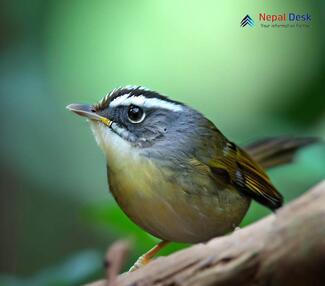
x=117, y=151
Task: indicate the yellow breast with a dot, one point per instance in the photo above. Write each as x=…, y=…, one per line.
x=170, y=212
x=154, y=199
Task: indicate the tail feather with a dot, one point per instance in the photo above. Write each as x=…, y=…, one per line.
x=272, y=152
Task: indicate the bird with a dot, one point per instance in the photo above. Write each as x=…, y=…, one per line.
x=173, y=172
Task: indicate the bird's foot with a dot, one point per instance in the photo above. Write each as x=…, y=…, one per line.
x=141, y=261
x=146, y=258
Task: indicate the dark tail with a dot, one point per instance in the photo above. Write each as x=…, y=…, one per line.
x=272, y=152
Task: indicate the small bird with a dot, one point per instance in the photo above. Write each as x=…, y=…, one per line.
x=174, y=173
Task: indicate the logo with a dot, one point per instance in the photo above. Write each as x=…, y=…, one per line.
x=278, y=21
x=247, y=20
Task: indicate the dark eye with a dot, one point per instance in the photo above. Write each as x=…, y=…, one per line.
x=136, y=114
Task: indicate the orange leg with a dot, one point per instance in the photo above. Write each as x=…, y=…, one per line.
x=145, y=258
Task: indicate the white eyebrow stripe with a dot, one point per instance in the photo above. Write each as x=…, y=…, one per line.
x=145, y=102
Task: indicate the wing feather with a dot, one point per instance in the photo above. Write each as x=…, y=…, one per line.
x=245, y=175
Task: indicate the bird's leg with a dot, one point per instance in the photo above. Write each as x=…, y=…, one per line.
x=145, y=258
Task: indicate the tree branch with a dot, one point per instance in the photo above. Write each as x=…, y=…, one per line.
x=285, y=248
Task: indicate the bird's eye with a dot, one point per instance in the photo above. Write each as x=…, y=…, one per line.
x=135, y=114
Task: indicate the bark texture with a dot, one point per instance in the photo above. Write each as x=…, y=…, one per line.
x=286, y=248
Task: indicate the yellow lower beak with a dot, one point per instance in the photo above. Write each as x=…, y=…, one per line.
x=87, y=111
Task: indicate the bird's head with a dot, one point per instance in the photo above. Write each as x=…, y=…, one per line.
x=135, y=118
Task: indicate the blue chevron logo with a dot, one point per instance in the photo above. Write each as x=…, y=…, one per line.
x=247, y=20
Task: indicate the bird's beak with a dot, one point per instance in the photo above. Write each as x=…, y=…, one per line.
x=88, y=112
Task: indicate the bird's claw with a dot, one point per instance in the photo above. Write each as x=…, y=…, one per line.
x=142, y=260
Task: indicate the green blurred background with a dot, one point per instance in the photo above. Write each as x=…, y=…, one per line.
x=57, y=217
